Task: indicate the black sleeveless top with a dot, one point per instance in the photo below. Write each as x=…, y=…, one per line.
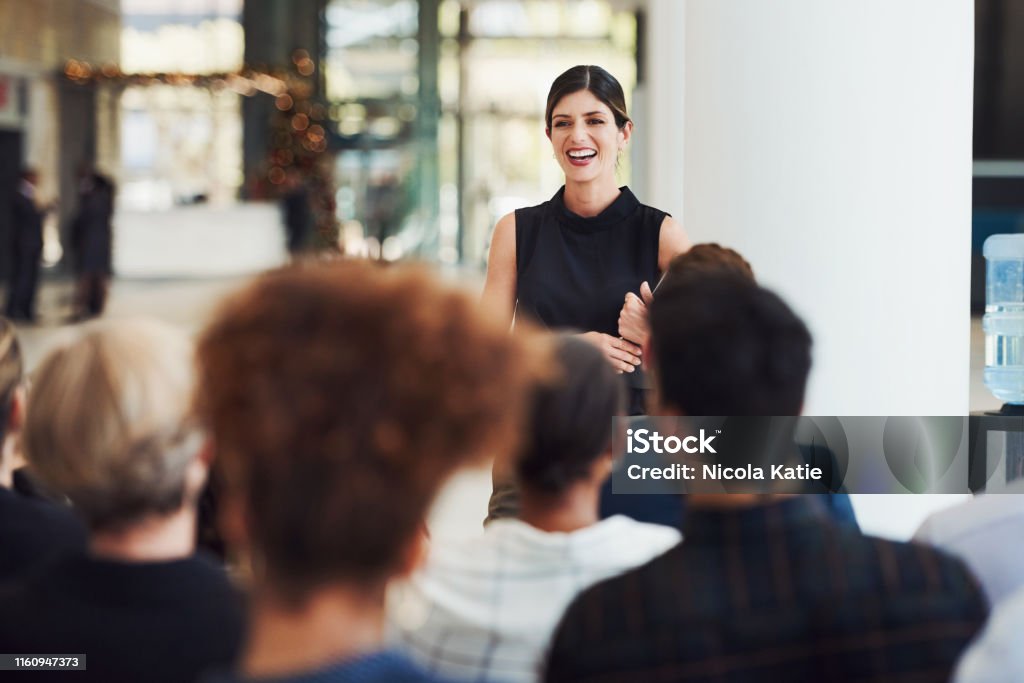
x=574, y=272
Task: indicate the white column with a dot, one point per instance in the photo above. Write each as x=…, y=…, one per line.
x=830, y=142
x=660, y=102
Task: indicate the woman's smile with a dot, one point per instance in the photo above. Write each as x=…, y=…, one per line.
x=581, y=156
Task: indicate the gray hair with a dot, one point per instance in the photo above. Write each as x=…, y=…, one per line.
x=109, y=421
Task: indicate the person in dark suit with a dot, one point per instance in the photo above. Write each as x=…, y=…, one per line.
x=26, y=248
x=297, y=213
x=92, y=241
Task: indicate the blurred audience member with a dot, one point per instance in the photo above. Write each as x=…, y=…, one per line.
x=996, y=655
x=702, y=260
x=977, y=531
x=108, y=424
x=765, y=587
x=31, y=531
x=26, y=248
x=92, y=241
x=340, y=397
x=492, y=603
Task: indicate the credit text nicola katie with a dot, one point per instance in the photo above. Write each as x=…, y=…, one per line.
x=717, y=472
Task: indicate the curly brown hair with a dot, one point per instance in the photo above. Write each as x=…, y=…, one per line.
x=709, y=258
x=340, y=397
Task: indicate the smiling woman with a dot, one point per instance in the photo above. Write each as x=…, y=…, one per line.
x=572, y=262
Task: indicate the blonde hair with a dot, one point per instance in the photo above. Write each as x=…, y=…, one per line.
x=108, y=421
x=10, y=372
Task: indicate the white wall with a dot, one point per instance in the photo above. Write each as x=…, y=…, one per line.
x=829, y=141
x=662, y=105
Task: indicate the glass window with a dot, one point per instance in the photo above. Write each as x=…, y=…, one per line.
x=497, y=61
x=180, y=143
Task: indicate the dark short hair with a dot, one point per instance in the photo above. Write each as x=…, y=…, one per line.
x=708, y=258
x=595, y=80
x=340, y=396
x=722, y=345
x=570, y=419
x=11, y=369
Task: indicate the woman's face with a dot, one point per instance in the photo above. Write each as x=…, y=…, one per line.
x=585, y=138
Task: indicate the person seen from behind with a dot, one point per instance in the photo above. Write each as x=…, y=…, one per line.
x=766, y=587
x=109, y=425
x=484, y=609
x=333, y=455
x=32, y=531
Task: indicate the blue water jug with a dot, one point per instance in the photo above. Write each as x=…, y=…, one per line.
x=1003, y=322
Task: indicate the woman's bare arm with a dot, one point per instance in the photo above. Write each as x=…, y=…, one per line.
x=500, y=288
x=672, y=241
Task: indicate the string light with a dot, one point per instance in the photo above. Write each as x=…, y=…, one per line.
x=296, y=143
x=284, y=102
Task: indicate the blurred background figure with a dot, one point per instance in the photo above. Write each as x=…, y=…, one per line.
x=385, y=205
x=26, y=248
x=92, y=241
x=298, y=215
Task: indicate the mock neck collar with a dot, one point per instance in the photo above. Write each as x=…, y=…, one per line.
x=620, y=209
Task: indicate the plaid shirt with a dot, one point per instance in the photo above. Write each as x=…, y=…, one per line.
x=773, y=593
x=484, y=609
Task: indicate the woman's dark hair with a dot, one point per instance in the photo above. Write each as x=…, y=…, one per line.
x=595, y=80
x=571, y=419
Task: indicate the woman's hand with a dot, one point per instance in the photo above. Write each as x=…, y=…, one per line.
x=633, y=323
x=623, y=355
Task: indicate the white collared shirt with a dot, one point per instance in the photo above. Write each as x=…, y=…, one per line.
x=981, y=532
x=996, y=656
